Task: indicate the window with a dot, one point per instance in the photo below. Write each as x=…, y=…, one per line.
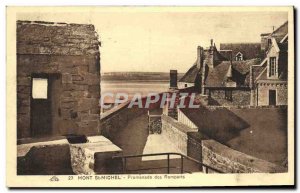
x=228, y=95
x=272, y=97
x=239, y=57
x=272, y=66
x=185, y=85
x=269, y=42
x=39, y=88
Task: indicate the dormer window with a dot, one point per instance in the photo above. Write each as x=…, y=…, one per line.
x=239, y=56
x=269, y=42
x=272, y=66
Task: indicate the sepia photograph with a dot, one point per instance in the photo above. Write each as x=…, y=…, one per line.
x=150, y=96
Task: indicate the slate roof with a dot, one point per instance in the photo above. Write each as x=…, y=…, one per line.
x=280, y=32
x=226, y=54
x=264, y=76
x=191, y=75
x=249, y=50
x=240, y=69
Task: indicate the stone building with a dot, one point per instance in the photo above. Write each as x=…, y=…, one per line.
x=224, y=80
x=242, y=73
x=269, y=78
x=58, y=79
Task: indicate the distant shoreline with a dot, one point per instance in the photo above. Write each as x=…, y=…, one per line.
x=137, y=76
x=133, y=80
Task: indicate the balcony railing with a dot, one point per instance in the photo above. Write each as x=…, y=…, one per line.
x=206, y=168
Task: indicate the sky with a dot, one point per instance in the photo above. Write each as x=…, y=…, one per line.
x=157, y=41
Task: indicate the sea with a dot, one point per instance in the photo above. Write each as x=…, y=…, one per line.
x=143, y=87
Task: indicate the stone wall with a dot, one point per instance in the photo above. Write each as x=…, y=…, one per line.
x=194, y=147
x=92, y=157
x=70, y=53
x=227, y=160
x=40, y=158
x=95, y=157
x=263, y=93
x=182, y=85
x=182, y=118
x=56, y=38
x=212, y=153
x=117, y=118
x=176, y=132
x=239, y=97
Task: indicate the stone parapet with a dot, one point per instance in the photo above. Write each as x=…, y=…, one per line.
x=225, y=159
x=176, y=132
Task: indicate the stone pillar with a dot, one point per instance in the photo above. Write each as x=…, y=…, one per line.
x=199, y=56
x=173, y=79
x=172, y=103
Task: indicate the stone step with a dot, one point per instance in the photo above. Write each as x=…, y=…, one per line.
x=95, y=157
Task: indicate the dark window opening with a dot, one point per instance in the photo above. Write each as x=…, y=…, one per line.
x=74, y=139
x=228, y=95
x=272, y=66
x=239, y=57
x=272, y=97
x=269, y=42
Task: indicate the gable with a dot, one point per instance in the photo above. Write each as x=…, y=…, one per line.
x=272, y=51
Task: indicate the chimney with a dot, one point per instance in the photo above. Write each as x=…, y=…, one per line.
x=229, y=72
x=199, y=56
x=203, y=77
x=173, y=79
x=173, y=97
x=211, y=54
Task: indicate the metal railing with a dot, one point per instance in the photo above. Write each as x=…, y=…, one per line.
x=205, y=167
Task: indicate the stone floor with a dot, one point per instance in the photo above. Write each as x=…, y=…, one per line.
x=157, y=143
x=134, y=139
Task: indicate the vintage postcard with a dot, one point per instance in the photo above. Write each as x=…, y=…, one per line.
x=150, y=96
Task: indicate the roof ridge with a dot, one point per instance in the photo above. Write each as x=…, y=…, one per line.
x=278, y=28
x=50, y=23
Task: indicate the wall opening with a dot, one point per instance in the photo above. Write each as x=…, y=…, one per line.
x=44, y=106
x=75, y=139
x=272, y=97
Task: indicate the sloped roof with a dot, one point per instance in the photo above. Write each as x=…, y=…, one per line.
x=264, y=76
x=226, y=54
x=258, y=69
x=244, y=66
x=217, y=75
x=191, y=75
x=249, y=50
x=280, y=32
